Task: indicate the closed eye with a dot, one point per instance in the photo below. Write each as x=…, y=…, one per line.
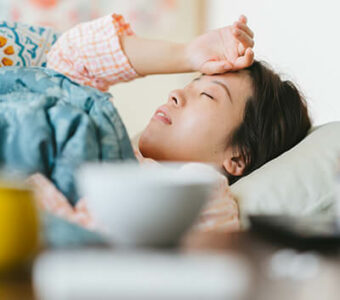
x=205, y=94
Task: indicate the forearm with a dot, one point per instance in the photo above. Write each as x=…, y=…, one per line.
x=155, y=57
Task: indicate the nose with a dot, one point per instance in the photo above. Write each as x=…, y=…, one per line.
x=176, y=98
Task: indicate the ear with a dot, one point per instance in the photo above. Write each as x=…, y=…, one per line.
x=234, y=164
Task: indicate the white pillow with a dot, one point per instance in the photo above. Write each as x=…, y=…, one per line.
x=298, y=182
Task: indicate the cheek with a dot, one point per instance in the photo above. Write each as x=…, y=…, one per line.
x=190, y=123
x=197, y=127
x=195, y=135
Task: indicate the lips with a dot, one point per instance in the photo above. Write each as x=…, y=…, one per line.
x=162, y=114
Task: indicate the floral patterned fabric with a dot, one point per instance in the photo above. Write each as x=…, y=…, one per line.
x=24, y=45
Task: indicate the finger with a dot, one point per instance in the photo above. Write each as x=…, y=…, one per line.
x=244, y=61
x=245, y=28
x=241, y=49
x=243, y=19
x=216, y=67
x=138, y=155
x=243, y=38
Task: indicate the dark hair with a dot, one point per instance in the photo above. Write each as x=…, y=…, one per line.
x=275, y=119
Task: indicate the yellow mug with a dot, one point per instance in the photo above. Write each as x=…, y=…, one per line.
x=19, y=227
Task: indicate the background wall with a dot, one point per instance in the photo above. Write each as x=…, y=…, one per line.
x=299, y=38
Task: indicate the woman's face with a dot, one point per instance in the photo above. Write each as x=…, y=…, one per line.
x=196, y=122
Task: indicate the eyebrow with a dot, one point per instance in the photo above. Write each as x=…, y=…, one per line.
x=225, y=87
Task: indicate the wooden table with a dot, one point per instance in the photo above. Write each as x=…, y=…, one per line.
x=256, y=251
x=17, y=286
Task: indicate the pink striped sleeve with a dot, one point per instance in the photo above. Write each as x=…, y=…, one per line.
x=90, y=53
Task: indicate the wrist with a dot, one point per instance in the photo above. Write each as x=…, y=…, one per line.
x=194, y=56
x=149, y=57
x=185, y=59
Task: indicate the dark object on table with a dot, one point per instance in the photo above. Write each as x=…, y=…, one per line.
x=299, y=232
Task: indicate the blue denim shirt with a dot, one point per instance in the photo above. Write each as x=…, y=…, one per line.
x=51, y=125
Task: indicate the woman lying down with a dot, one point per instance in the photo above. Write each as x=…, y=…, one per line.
x=238, y=114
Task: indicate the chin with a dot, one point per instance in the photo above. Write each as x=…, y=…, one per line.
x=154, y=146
x=148, y=145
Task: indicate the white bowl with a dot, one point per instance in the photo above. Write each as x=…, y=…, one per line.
x=145, y=205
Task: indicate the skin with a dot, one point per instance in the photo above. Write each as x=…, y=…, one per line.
x=214, y=52
x=203, y=115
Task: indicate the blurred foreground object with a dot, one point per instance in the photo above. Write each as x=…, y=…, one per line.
x=19, y=227
x=146, y=205
x=103, y=274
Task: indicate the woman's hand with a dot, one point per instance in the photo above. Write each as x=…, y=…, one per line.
x=224, y=49
x=217, y=51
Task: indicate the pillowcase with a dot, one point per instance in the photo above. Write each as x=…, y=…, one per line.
x=299, y=182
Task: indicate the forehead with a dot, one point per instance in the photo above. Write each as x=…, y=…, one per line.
x=240, y=78
x=239, y=83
